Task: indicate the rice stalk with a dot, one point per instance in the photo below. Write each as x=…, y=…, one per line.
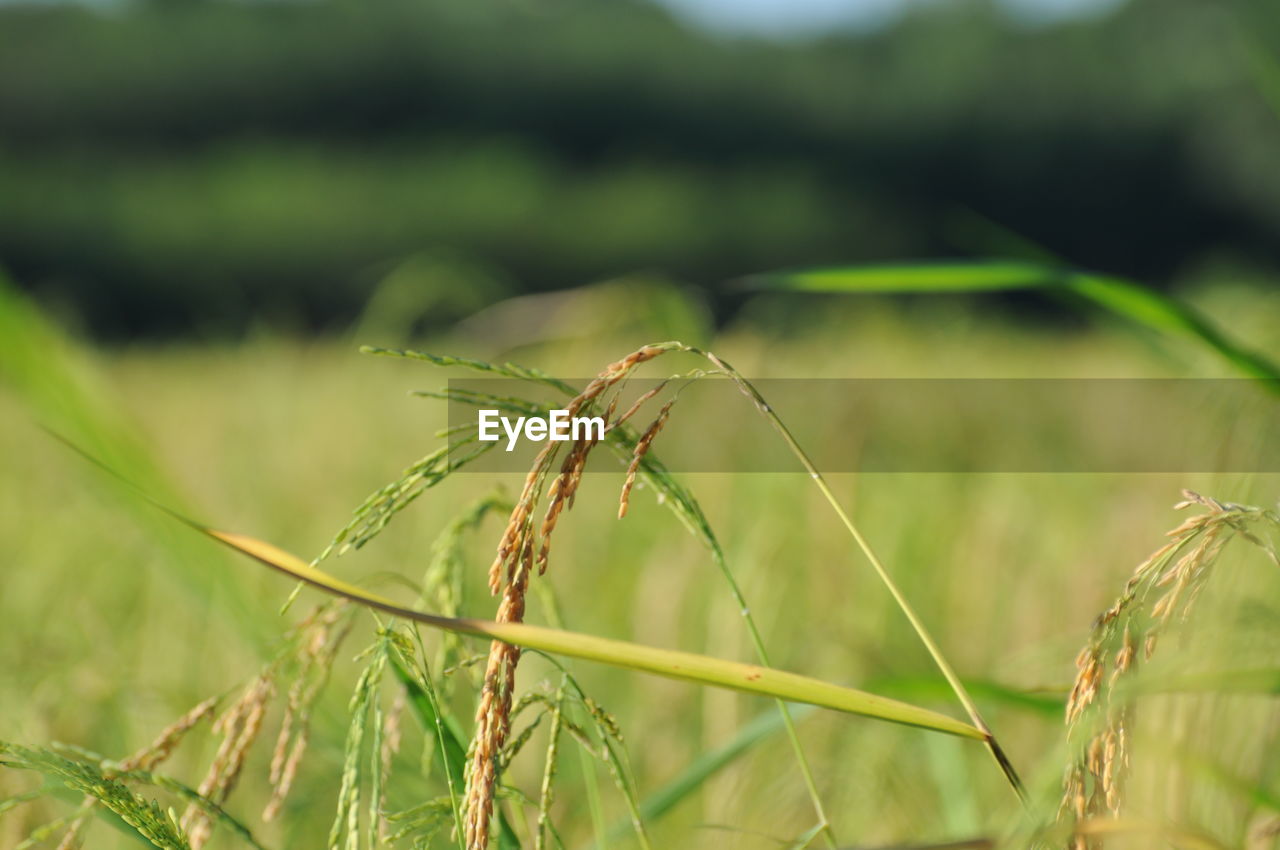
x=678, y=499
x=580, y=716
x=146, y=759
x=145, y=817
x=524, y=549
x=159, y=750
x=179, y=789
x=373, y=515
x=239, y=726
x=423, y=700
x=391, y=738
x=1163, y=589
x=312, y=645
x=546, y=793
x=504, y=370
x=321, y=635
x=638, y=455
x=510, y=573
x=365, y=718
x=138, y=769
x=694, y=519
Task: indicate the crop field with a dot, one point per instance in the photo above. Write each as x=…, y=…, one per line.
x=333, y=724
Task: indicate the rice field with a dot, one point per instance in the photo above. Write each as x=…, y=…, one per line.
x=142, y=661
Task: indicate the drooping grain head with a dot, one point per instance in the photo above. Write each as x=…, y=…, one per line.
x=637, y=456
x=1162, y=589
x=239, y=726
x=159, y=750
x=522, y=549
x=320, y=636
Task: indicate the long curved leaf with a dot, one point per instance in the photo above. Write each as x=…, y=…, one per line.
x=1132, y=301
x=672, y=664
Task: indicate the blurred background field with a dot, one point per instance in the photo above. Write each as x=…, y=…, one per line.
x=205, y=207
x=199, y=167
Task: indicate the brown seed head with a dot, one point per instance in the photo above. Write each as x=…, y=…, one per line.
x=637, y=455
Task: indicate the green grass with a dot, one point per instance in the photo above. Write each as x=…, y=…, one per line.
x=280, y=438
x=1141, y=306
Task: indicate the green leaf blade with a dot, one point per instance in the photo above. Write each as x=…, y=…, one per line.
x=673, y=664
x=1140, y=305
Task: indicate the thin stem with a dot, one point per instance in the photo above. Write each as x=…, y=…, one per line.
x=962, y=693
x=762, y=655
x=549, y=771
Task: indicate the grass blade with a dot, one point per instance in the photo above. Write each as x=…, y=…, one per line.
x=922, y=632
x=451, y=755
x=672, y=664
x=1131, y=301
x=925, y=688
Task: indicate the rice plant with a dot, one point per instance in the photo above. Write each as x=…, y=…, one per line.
x=476, y=724
x=1162, y=593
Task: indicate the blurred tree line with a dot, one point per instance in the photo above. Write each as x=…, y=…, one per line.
x=188, y=164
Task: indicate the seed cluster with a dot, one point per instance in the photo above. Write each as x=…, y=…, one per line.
x=147, y=759
x=239, y=726
x=637, y=456
x=322, y=632
x=102, y=783
x=1127, y=633
x=519, y=554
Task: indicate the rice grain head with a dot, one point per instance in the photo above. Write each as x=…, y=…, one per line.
x=1162, y=589
x=239, y=726
x=637, y=456
x=518, y=555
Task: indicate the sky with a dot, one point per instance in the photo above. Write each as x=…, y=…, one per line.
x=799, y=18
x=805, y=17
